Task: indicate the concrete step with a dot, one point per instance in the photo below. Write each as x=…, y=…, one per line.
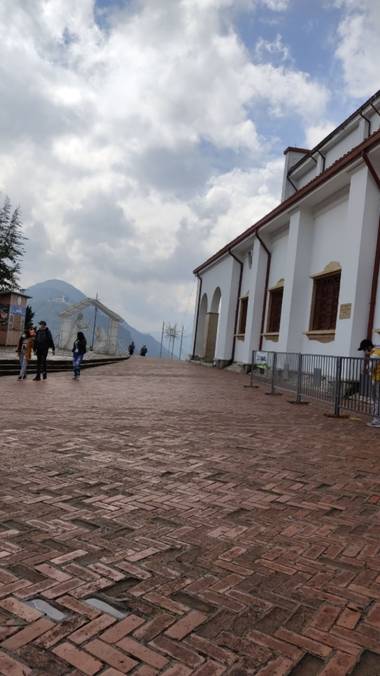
x=11, y=367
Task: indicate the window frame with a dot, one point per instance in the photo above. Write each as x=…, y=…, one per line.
x=243, y=314
x=316, y=317
x=270, y=328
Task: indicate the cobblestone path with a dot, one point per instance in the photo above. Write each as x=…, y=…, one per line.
x=159, y=518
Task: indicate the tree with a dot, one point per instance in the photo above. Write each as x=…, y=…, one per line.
x=29, y=314
x=11, y=246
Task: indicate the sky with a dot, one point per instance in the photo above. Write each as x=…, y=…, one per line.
x=139, y=136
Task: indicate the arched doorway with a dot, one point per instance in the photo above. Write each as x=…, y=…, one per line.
x=212, y=325
x=201, y=334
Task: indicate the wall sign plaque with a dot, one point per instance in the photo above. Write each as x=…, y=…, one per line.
x=345, y=311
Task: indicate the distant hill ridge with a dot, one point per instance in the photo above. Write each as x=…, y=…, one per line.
x=51, y=297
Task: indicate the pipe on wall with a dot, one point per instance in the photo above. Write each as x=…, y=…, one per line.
x=269, y=259
x=237, y=303
x=376, y=264
x=197, y=317
x=368, y=122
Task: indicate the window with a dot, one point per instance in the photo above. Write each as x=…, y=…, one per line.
x=325, y=302
x=243, y=315
x=274, y=313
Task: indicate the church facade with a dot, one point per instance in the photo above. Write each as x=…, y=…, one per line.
x=305, y=278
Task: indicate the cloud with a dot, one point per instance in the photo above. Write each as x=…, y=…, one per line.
x=317, y=133
x=273, y=49
x=130, y=139
x=358, y=46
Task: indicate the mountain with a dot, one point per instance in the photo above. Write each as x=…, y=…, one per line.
x=50, y=298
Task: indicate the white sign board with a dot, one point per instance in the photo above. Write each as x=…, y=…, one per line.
x=261, y=358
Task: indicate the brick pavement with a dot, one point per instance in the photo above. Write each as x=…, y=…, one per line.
x=228, y=532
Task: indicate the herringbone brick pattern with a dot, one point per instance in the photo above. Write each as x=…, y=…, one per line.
x=227, y=532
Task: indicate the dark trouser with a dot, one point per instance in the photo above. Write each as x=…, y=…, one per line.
x=41, y=362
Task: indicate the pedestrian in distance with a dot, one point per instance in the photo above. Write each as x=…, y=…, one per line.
x=79, y=350
x=131, y=348
x=372, y=367
x=42, y=343
x=25, y=349
x=19, y=347
x=143, y=351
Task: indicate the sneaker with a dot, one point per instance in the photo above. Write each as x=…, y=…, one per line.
x=20, y=378
x=373, y=423
x=37, y=378
x=44, y=376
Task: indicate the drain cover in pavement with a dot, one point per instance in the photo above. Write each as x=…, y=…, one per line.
x=47, y=609
x=106, y=608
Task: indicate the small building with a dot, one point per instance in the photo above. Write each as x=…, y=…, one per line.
x=305, y=277
x=12, y=316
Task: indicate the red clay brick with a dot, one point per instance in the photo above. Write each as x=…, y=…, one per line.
x=144, y=670
x=20, y=609
x=177, y=670
x=143, y=653
x=30, y=633
x=278, y=667
x=210, y=668
x=303, y=642
x=122, y=628
x=151, y=629
x=79, y=607
x=92, y=628
x=348, y=618
x=11, y=667
x=186, y=625
x=78, y=658
x=339, y=665
x=325, y=617
x=111, y=656
x=177, y=650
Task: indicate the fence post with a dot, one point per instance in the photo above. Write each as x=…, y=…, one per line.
x=251, y=385
x=298, y=399
x=338, y=386
x=272, y=390
x=252, y=365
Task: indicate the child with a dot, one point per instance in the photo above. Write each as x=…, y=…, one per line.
x=79, y=350
x=25, y=349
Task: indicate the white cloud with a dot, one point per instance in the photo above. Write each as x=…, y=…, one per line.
x=358, y=46
x=272, y=49
x=317, y=133
x=133, y=150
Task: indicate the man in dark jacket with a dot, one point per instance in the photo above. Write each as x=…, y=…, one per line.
x=42, y=342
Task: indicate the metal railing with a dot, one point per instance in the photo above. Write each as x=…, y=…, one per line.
x=348, y=383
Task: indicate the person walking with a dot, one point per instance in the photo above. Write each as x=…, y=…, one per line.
x=131, y=348
x=19, y=347
x=372, y=367
x=42, y=343
x=79, y=350
x=143, y=351
x=25, y=349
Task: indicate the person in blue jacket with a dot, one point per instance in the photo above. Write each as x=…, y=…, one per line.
x=79, y=350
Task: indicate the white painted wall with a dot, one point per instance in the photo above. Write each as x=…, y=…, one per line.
x=328, y=244
x=225, y=275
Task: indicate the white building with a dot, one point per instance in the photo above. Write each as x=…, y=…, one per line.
x=305, y=278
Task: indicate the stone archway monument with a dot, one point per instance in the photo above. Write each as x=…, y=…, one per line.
x=99, y=324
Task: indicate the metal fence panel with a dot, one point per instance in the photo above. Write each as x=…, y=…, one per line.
x=350, y=383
